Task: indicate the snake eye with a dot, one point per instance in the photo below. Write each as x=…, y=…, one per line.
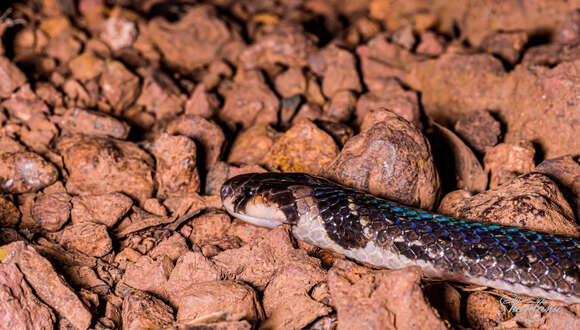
x=248, y=192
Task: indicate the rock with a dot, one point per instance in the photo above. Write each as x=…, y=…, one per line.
x=186, y=43
x=160, y=96
x=290, y=82
x=446, y=299
x=252, y=145
x=190, y=269
x=90, y=238
x=340, y=107
x=207, y=135
x=431, y=44
x=303, y=148
x=379, y=299
x=507, y=45
x=507, y=161
x=250, y=101
x=532, y=201
x=119, y=31
x=47, y=284
x=25, y=104
x=482, y=308
x=177, y=173
x=21, y=309
x=120, y=87
x=393, y=98
x=86, y=66
x=106, y=209
x=566, y=172
x=287, y=44
x=449, y=83
x=479, y=130
x=236, y=301
x=286, y=302
x=338, y=69
x=389, y=158
x=9, y=214
x=149, y=275
x=52, y=211
x=100, y=166
x=141, y=311
x=79, y=121
x=11, y=77
x=457, y=163
x=209, y=226
x=22, y=172
x=201, y=103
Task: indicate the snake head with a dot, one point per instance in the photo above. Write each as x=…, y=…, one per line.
x=249, y=198
x=266, y=199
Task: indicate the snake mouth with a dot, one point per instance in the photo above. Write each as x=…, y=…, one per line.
x=244, y=202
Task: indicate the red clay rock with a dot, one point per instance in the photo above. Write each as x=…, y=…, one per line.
x=208, y=227
x=201, y=103
x=119, y=31
x=457, y=163
x=195, y=40
x=257, y=262
x=99, y=166
x=160, y=96
x=252, y=145
x=20, y=308
x=338, y=69
x=90, y=238
x=566, y=172
x=177, y=172
x=38, y=134
x=393, y=98
x=286, y=302
x=80, y=121
x=389, y=158
x=286, y=44
x=236, y=301
x=143, y=311
x=48, y=285
x=172, y=247
x=482, y=309
x=25, y=105
x=507, y=161
x=22, y=172
x=191, y=268
x=379, y=299
x=303, y=148
x=308, y=111
x=11, y=77
x=290, y=82
x=9, y=214
x=52, y=211
x=340, y=107
x=448, y=85
x=149, y=275
x=120, y=87
x=207, y=135
x=431, y=44
x=86, y=66
x=532, y=201
x=479, y=130
x=249, y=101
x=507, y=45
x=381, y=60
x=106, y=209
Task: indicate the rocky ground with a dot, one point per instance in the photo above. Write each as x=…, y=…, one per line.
x=120, y=120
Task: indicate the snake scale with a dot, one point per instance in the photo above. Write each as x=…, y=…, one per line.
x=383, y=233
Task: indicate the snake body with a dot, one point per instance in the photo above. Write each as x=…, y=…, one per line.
x=377, y=231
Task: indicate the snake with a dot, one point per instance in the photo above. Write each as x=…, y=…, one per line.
x=386, y=234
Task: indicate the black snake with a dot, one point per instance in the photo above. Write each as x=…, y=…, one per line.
x=383, y=233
